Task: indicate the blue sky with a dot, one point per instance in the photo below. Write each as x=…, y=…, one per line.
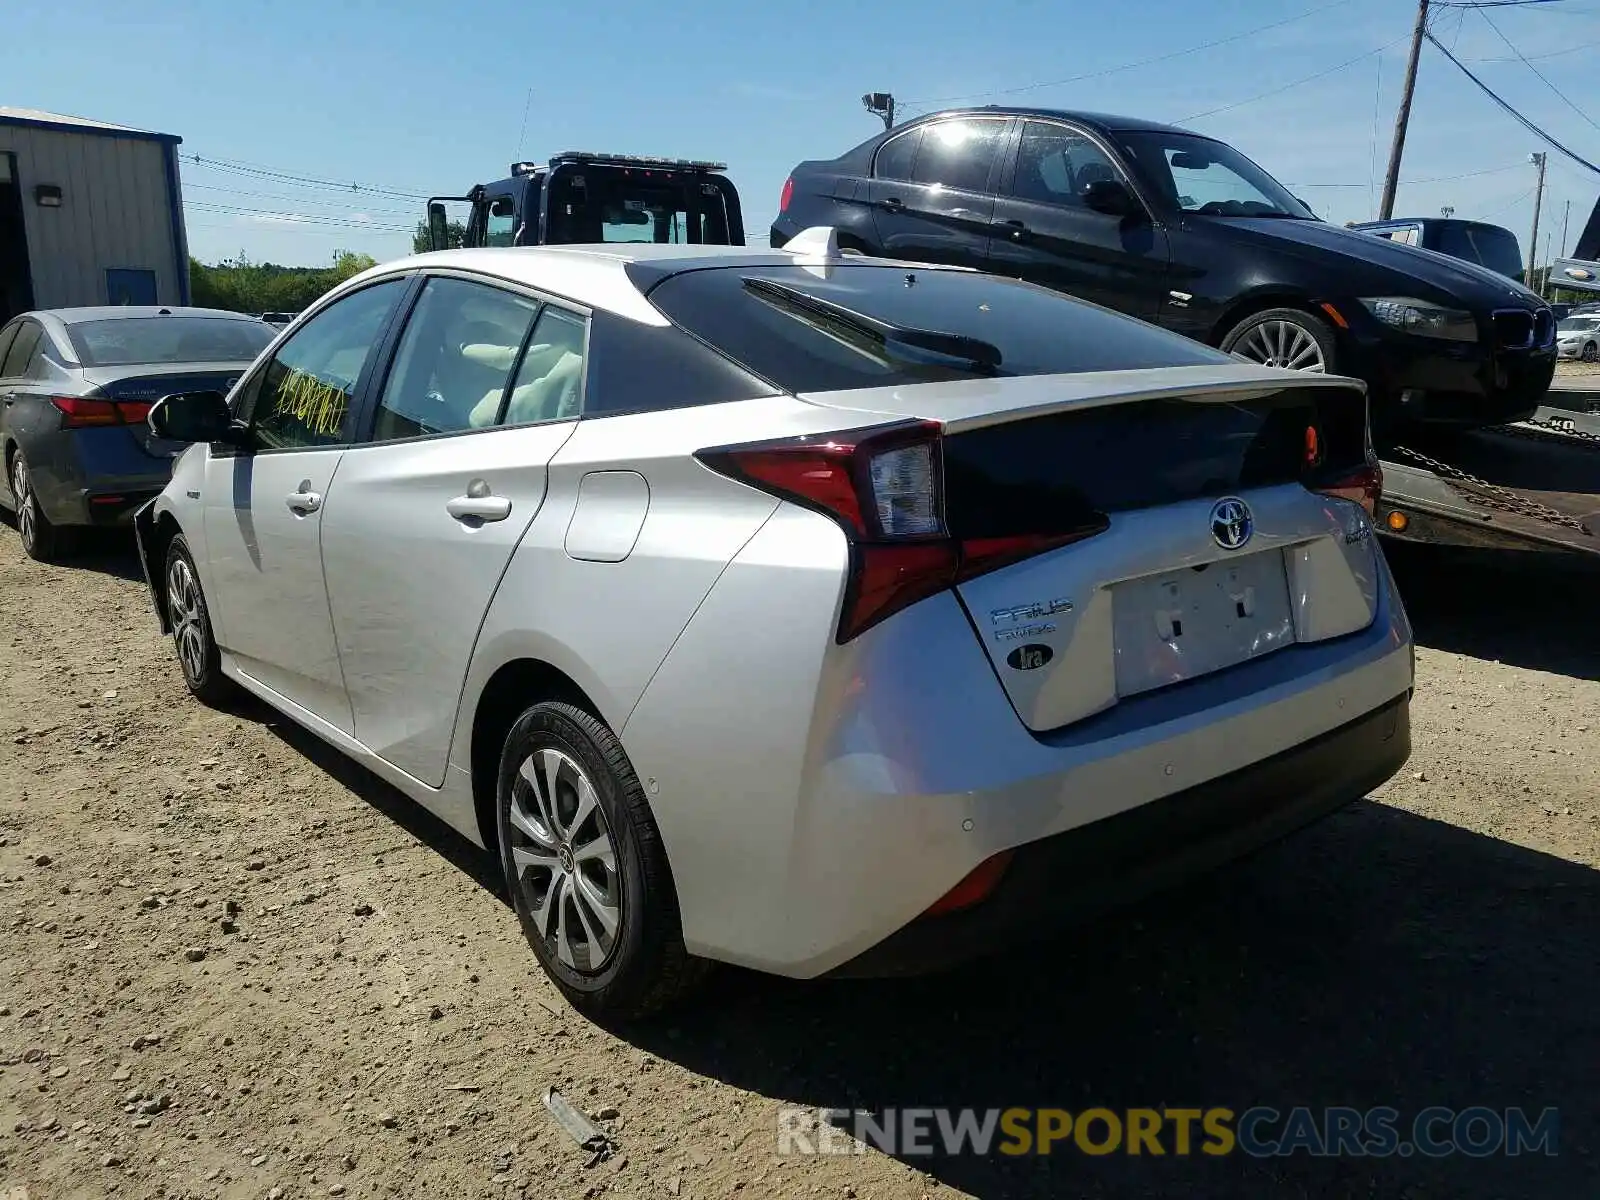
x=430, y=97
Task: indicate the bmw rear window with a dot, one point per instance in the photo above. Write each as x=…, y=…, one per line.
x=122, y=341
x=1022, y=329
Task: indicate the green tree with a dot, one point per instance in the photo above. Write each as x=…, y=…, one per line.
x=455, y=234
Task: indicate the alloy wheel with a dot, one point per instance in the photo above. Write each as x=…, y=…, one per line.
x=22, y=497
x=1282, y=343
x=565, y=860
x=188, y=618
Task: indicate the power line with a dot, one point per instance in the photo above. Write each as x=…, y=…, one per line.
x=1428, y=179
x=369, y=209
x=296, y=218
x=1211, y=112
x=242, y=168
x=1522, y=120
x=1507, y=207
x=1564, y=98
x=1538, y=57
x=1143, y=62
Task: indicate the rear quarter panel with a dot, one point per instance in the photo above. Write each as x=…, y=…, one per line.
x=608, y=621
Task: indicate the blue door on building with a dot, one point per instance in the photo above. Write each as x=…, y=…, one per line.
x=127, y=285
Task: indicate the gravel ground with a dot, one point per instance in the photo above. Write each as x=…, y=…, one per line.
x=1574, y=367
x=234, y=965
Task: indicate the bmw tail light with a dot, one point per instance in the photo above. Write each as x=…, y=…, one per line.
x=884, y=486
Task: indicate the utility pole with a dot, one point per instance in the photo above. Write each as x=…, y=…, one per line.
x=1537, y=158
x=1391, y=179
x=1564, y=217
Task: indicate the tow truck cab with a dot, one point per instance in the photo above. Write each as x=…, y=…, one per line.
x=582, y=198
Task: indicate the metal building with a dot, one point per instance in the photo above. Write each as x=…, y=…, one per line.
x=90, y=213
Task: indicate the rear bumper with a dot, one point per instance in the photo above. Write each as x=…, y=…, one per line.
x=1067, y=879
x=809, y=823
x=95, y=476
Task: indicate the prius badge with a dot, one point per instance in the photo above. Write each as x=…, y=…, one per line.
x=1231, y=523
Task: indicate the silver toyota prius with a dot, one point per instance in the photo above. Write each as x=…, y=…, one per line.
x=811, y=612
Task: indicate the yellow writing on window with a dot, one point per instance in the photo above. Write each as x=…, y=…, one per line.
x=319, y=406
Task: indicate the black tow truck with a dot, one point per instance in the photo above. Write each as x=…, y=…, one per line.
x=582, y=197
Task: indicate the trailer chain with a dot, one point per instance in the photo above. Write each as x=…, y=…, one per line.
x=1492, y=495
x=1560, y=426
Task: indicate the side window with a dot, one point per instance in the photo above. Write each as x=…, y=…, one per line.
x=549, y=383
x=897, y=157
x=22, y=351
x=1055, y=164
x=501, y=228
x=1409, y=236
x=454, y=359
x=959, y=153
x=7, y=334
x=303, y=398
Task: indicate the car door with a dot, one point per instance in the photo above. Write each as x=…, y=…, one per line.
x=931, y=190
x=262, y=507
x=484, y=388
x=1046, y=234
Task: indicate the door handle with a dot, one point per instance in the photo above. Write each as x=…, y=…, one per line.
x=893, y=204
x=479, y=504
x=303, y=500
x=1016, y=229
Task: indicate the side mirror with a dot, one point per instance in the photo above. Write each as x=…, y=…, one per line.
x=194, y=417
x=1112, y=197
x=438, y=231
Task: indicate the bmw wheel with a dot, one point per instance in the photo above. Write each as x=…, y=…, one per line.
x=41, y=538
x=1284, y=337
x=586, y=869
x=198, y=656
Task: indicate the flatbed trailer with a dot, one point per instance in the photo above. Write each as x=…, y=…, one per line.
x=1531, y=486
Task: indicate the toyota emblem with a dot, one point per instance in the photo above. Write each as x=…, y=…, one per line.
x=1231, y=523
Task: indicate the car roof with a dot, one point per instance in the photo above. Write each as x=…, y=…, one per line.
x=113, y=312
x=592, y=275
x=1105, y=121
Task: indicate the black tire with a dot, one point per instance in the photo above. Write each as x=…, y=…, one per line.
x=1266, y=348
x=642, y=967
x=192, y=638
x=1590, y=352
x=42, y=539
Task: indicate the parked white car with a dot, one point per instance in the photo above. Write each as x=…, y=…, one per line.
x=819, y=614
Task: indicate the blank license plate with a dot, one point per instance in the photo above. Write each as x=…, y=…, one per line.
x=1188, y=623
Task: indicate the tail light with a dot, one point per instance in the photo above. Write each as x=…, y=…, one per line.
x=81, y=412
x=884, y=487
x=787, y=195
x=1363, y=486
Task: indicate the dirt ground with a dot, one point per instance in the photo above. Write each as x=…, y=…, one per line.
x=234, y=965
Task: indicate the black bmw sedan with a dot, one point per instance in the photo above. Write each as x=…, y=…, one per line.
x=1186, y=232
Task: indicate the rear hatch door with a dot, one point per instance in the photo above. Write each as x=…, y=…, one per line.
x=1195, y=538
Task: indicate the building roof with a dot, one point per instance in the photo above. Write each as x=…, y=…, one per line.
x=35, y=119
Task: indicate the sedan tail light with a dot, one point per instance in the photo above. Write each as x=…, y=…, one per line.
x=786, y=195
x=84, y=412
x=884, y=487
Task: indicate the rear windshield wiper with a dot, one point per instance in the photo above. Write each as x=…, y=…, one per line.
x=836, y=319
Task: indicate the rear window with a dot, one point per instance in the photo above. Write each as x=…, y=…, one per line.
x=1065, y=471
x=174, y=339
x=1487, y=245
x=1031, y=331
x=608, y=205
